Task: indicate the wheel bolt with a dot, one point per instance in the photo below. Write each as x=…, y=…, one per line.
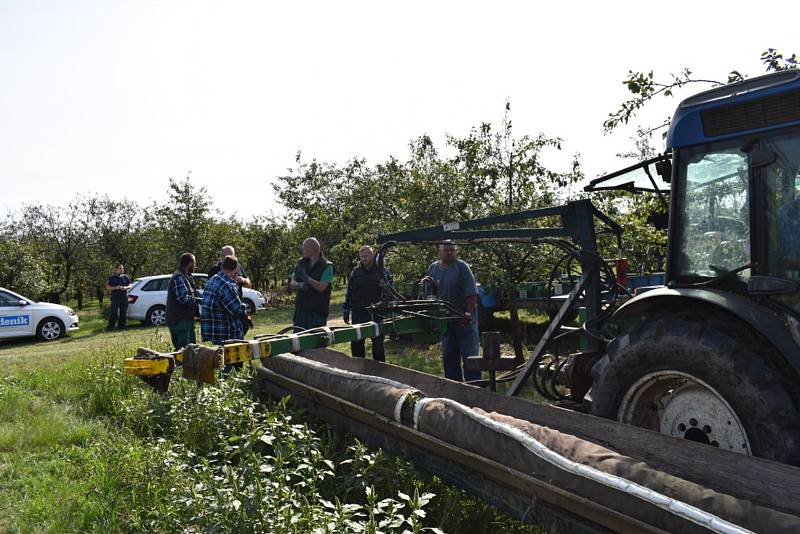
x=707, y=429
x=682, y=427
x=693, y=421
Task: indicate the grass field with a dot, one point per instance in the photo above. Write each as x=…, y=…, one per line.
x=85, y=448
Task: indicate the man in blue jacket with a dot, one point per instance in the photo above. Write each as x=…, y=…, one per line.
x=223, y=311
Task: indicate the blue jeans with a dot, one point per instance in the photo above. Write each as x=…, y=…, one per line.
x=357, y=348
x=459, y=342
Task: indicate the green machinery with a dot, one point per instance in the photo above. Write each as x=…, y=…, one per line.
x=200, y=362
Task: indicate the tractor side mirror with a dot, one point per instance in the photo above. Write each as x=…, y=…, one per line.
x=664, y=170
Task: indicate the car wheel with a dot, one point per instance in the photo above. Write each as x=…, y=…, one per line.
x=157, y=316
x=50, y=329
x=251, y=307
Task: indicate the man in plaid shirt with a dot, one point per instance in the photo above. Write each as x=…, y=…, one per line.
x=223, y=311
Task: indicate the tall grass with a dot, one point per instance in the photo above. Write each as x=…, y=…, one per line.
x=85, y=448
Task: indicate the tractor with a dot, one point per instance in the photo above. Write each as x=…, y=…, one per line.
x=714, y=355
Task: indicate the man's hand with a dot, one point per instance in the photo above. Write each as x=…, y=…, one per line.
x=467, y=320
x=346, y=318
x=302, y=275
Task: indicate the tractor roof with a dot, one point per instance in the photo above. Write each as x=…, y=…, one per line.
x=737, y=109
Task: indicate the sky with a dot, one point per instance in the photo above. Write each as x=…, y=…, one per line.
x=113, y=98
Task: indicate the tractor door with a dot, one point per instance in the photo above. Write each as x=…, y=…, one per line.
x=711, y=230
x=779, y=184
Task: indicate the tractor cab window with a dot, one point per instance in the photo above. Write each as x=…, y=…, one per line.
x=782, y=184
x=715, y=226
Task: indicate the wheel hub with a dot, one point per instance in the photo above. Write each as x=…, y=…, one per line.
x=683, y=406
x=159, y=317
x=51, y=330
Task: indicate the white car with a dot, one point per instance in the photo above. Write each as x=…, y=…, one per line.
x=147, y=298
x=20, y=317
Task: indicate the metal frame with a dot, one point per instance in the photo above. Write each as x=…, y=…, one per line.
x=577, y=224
x=552, y=329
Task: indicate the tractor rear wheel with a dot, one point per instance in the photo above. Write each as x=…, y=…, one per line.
x=701, y=377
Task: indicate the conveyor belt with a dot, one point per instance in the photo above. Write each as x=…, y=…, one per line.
x=524, y=496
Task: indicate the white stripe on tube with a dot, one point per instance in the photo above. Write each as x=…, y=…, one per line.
x=679, y=508
x=398, y=408
x=255, y=349
x=295, y=341
x=375, y=328
x=329, y=334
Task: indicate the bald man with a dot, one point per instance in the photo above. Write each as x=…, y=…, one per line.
x=312, y=279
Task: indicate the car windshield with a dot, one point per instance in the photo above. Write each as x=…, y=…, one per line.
x=714, y=233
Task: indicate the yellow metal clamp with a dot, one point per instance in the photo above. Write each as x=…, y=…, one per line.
x=246, y=351
x=150, y=363
x=146, y=367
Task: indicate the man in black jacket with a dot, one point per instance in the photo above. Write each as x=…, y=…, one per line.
x=312, y=279
x=363, y=289
x=181, y=303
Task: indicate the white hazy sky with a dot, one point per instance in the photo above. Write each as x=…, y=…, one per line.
x=114, y=97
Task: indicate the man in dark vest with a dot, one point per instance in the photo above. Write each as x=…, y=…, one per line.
x=181, y=303
x=363, y=289
x=312, y=279
x=118, y=284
